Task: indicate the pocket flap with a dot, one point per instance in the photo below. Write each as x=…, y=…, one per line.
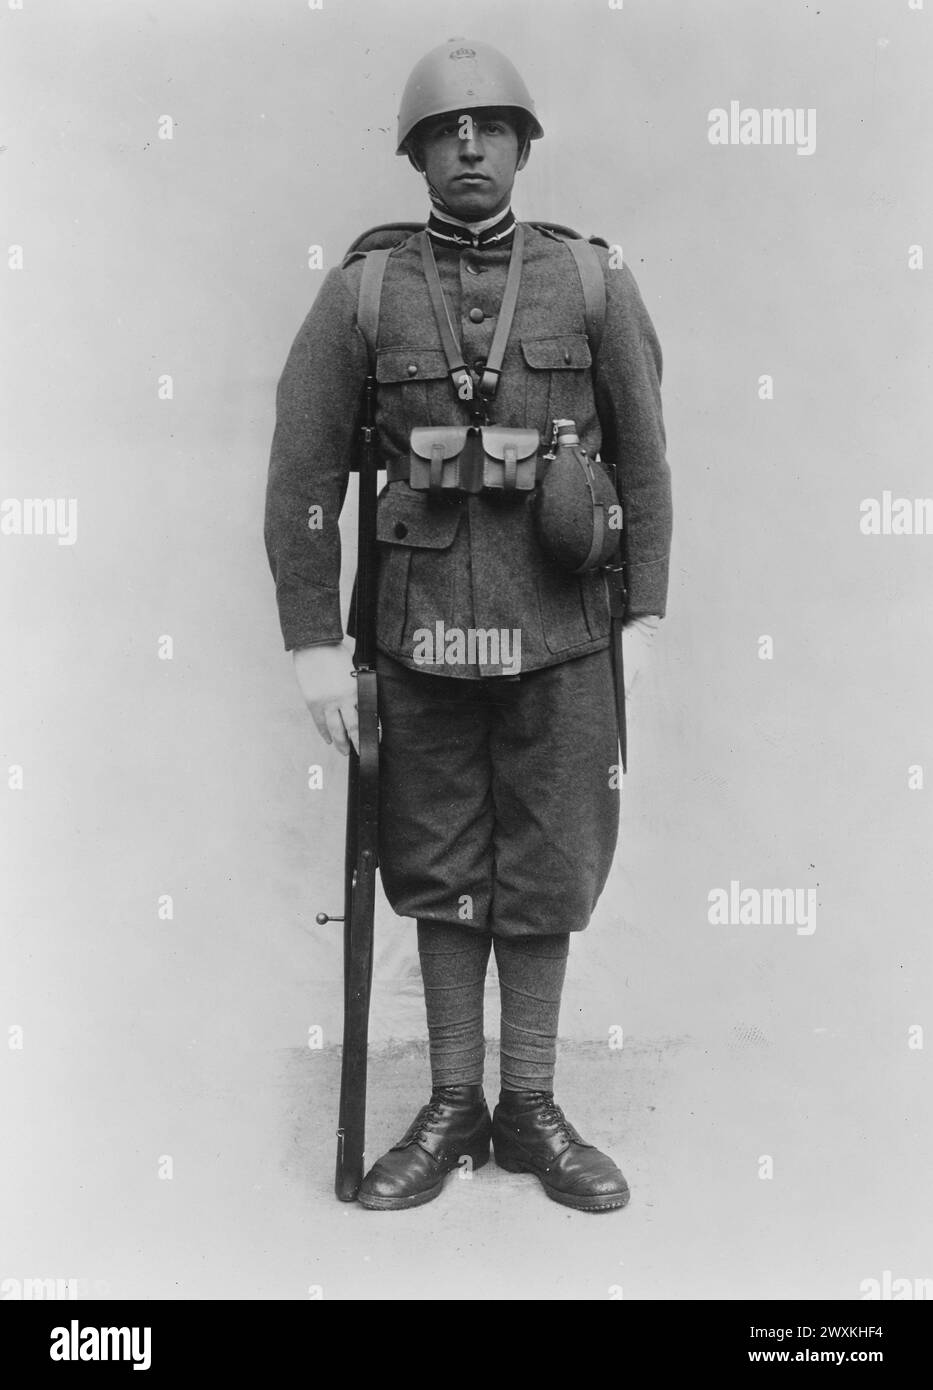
x=405, y=517
x=410, y=364
x=496, y=441
x=567, y=351
x=450, y=437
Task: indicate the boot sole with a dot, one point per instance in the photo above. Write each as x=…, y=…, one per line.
x=373, y=1202
x=608, y=1201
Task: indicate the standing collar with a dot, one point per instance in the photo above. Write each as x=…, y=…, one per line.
x=449, y=231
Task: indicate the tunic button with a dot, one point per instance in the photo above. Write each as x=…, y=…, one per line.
x=476, y=315
x=566, y=355
x=412, y=369
x=401, y=530
x=471, y=268
x=480, y=364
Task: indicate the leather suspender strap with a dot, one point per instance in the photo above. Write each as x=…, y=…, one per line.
x=452, y=352
x=367, y=309
x=500, y=338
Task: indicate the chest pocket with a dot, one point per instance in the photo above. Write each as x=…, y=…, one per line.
x=414, y=388
x=557, y=382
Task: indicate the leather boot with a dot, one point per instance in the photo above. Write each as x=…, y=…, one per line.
x=454, y=1124
x=530, y=1134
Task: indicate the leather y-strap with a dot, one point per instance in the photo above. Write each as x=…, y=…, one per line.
x=455, y=362
x=500, y=338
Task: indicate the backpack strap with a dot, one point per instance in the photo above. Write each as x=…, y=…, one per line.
x=590, y=270
x=584, y=254
x=591, y=276
x=593, y=282
x=367, y=309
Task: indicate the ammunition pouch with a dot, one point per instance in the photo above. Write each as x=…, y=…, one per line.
x=471, y=459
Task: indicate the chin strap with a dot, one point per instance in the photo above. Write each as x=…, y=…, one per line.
x=436, y=200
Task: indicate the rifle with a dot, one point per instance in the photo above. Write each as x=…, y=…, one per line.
x=361, y=859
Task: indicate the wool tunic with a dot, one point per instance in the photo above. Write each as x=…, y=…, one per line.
x=472, y=563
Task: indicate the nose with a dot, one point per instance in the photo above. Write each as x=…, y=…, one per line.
x=471, y=147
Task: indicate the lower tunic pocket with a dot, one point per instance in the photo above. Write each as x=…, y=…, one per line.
x=563, y=616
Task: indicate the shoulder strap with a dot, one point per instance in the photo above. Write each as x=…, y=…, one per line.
x=594, y=289
x=367, y=309
x=585, y=258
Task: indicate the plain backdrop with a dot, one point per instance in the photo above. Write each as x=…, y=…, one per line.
x=188, y=777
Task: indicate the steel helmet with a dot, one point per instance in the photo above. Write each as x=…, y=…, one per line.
x=456, y=76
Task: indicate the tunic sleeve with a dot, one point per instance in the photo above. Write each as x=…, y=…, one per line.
x=318, y=404
x=628, y=398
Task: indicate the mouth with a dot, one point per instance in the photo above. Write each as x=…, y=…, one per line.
x=471, y=178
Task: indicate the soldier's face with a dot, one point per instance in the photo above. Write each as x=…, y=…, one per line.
x=471, y=159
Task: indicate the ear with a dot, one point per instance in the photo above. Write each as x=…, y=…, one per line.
x=413, y=159
x=523, y=157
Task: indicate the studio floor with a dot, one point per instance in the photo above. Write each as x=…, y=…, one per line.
x=249, y=1210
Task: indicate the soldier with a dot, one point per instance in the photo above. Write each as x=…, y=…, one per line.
x=499, y=801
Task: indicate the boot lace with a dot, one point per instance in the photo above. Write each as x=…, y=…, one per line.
x=428, y=1115
x=551, y=1112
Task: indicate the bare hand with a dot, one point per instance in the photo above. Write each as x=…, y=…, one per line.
x=329, y=690
x=637, y=637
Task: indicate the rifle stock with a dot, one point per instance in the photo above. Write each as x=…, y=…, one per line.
x=359, y=896
x=361, y=857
